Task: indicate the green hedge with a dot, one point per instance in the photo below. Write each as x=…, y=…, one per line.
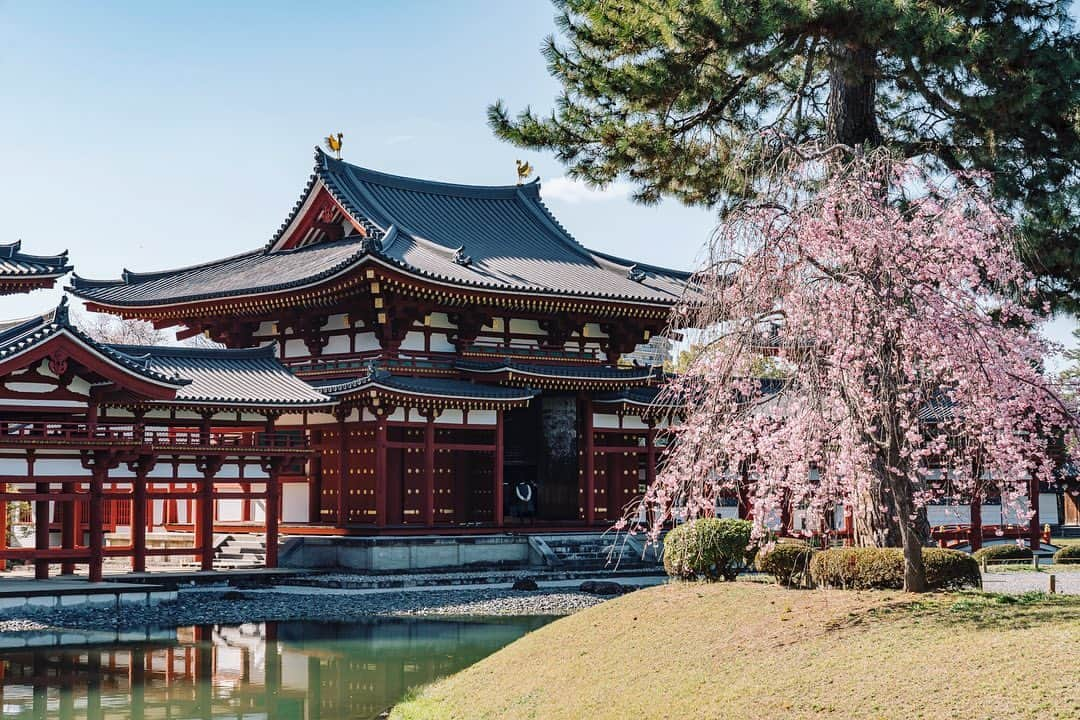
x=788, y=562
x=708, y=549
x=883, y=568
x=1004, y=551
x=1068, y=555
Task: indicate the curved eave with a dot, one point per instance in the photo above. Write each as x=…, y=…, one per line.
x=193, y=306
x=90, y=354
x=369, y=390
x=538, y=373
x=225, y=404
x=11, y=284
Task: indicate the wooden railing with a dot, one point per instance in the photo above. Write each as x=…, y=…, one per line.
x=68, y=433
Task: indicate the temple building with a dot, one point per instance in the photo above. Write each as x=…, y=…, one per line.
x=403, y=357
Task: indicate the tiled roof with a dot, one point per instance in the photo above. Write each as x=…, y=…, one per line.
x=499, y=238
x=18, y=336
x=570, y=372
x=253, y=272
x=632, y=396
x=251, y=376
x=16, y=265
x=427, y=386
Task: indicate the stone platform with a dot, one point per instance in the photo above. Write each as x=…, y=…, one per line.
x=28, y=594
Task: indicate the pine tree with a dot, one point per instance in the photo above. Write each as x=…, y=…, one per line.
x=670, y=93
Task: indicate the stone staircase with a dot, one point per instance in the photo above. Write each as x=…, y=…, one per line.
x=240, y=552
x=594, y=550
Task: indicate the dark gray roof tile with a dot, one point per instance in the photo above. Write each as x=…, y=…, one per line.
x=512, y=242
x=17, y=265
x=251, y=376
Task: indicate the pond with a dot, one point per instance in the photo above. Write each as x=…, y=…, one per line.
x=287, y=670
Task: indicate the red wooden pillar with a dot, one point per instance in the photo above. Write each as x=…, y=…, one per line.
x=497, y=495
x=41, y=532
x=67, y=526
x=429, y=470
x=139, y=521
x=97, y=530
x=3, y=532
x=590, y=460
x=204, y=521
x=380, y=470
x=273, y=510
x=343, y=470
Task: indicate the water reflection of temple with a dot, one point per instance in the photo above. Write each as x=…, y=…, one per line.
x=286, y=670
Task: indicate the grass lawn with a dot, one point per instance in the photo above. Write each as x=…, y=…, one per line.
x=748, y=650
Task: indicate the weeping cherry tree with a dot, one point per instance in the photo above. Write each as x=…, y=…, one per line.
x=905, y=364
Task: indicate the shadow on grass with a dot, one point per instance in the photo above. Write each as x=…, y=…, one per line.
x=991, y=611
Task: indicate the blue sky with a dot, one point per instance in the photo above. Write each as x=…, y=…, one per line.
x=153, y=135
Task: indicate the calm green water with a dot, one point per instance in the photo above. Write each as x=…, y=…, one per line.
x=289, y=670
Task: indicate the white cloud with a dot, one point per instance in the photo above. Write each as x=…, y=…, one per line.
x=574, y=191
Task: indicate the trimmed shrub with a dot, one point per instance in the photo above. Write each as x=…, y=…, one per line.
x=859, y=568
x=950, y=569
x=1004, y=551
x=883, y=568
x=788, y=562
x=708, y=549
x=1068, y=555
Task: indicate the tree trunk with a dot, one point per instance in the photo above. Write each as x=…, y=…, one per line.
x=912, y=535
x=852, y=114
x=873, y=517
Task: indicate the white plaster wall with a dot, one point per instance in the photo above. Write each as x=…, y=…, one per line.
x=414, y=340
x=592, y=330
x=451, y=417
x=482, y=417
x=336, y=322
x=521, y=325
x=337, y=344
x=45, y=466
x=230, y=510
x=366, y=341
x=29, y=387
x=606, y=421
x=440, y=342
x=294, y=502
x=440, y=320
x=296, y=348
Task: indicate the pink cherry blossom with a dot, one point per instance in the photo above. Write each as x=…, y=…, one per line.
x=892, y=308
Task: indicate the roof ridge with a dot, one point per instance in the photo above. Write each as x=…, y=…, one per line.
x=128, y=277
x=13, y=251
x=260, y=351
x=59, y=320
x=435, y=187
x=312, y=178
x=627, y=263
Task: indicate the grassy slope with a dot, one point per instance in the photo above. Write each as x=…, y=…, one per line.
x=745, y=650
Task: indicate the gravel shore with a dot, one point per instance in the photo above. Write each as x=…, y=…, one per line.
x=1018, y=581
x=237, y=607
